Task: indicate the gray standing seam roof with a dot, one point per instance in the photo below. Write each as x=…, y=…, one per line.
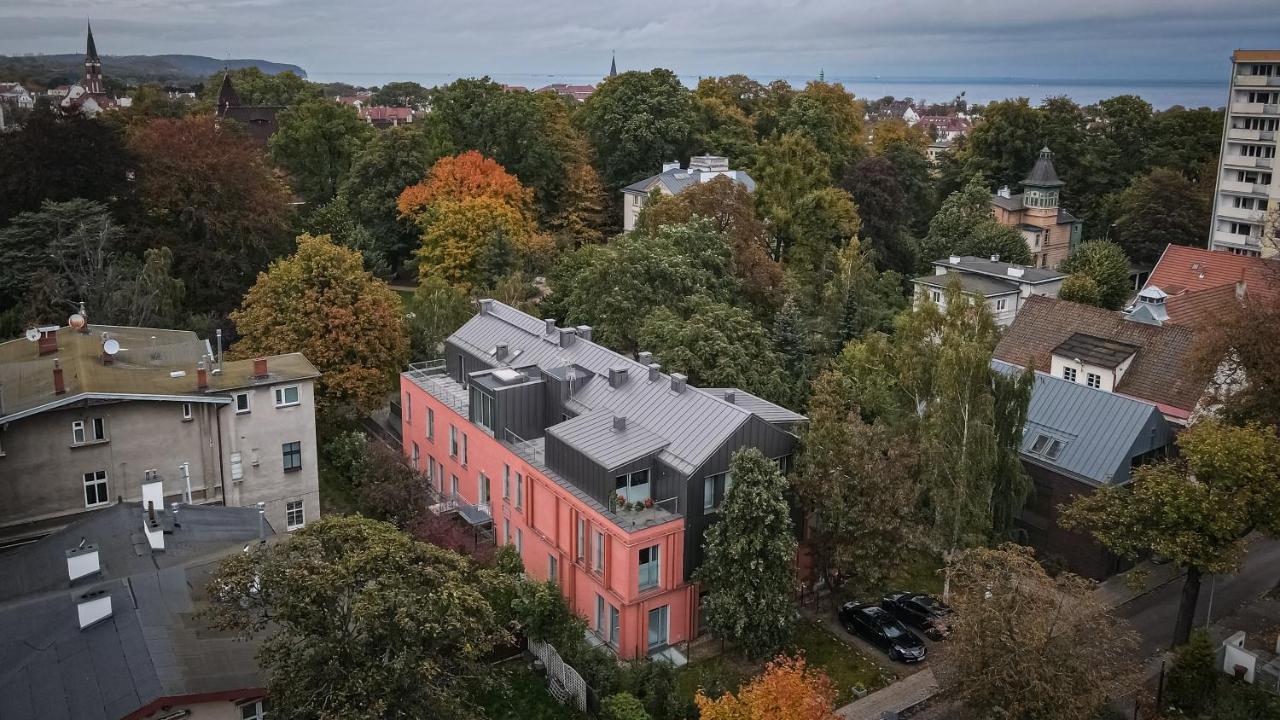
x=1098, y=429
x=1000, y=270
x=594, y=435
x=769, y=412
x=150, y=648
x=678, y=180
x=694, y=423
x=970, y=283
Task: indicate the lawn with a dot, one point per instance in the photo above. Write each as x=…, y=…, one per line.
x=843, y=663
x=523, y=696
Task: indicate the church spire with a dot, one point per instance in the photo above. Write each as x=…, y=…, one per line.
x=613, y=65
x=92, y=64
x=227, y=96
x=90, y=50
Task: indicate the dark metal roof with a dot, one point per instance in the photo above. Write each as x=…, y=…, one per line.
x=152, y=647
x=970, y=283
x=595, y=435
x=91, y=48
x=765, y=410
x=1095, y=350
x=1000, y=270
x=1043, y=173
x=679, y=179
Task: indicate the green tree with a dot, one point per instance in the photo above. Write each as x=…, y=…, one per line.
x=717, y=345
x=1186, y=140
x=873, y=183
x=830, y=117
x=1196, y=510
x=725, y=130
x=258, y=88
x=859, y=488
x=1081, y=288
x=401, y=94
x=316, y=142
x=622, y=706
x=1242, y=345
x=336, y=220
x=858, y=299
x=965, y=225
x=747, y=572
x=1161, y=208
x=918, y=187
x=1004, y=144
x=361, y=621
x=825, y=221
x=1192, y=682
x=1104, y=262
x=789, y=168
x=636, y=121
x=435, y=311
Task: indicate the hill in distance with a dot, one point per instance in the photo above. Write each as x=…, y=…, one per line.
x=49, y=70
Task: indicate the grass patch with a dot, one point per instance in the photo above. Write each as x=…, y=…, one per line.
x=920, y=571
x=842, y=662
x=521, y=695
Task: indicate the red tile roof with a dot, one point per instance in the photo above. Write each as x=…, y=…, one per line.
x=1163, y=372
x=1202, y=308
x=1184, y=268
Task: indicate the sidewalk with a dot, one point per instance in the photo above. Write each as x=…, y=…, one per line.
x=1116, y=591
x=906, y=693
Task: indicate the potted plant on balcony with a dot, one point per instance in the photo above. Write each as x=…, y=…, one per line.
x=619, y=503
x=648, y=502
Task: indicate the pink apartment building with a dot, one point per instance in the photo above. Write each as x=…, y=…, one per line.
x=545, y=434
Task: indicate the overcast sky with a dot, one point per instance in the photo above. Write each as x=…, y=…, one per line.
x=1093, y=39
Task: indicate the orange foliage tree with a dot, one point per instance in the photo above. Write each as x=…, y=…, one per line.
x=786, y=690
x=322, y=303
x=477, y=222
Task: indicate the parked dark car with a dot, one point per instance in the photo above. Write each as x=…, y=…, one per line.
x=923, y=612
x=875, y=625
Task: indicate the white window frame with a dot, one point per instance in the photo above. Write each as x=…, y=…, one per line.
x=634, y=491
x=291, y=507
x=258, y=707
x=597, y=556
x=98, y=480
x=408, y=407
x=650, y=569
x=99, y=427
x=248, y=406
x=431, y=424
x=1001, y=304
x=186, y=412
x=464, y=450
x=1093, y=380
x=237, y=466
x=78, y=433
x=506, y=482
x=519, y=540
x=506, y=531
x=486, y=496
x=1069, y=374
x=281, y=396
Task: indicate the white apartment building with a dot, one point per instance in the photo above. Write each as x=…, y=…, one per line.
x=1247, y=194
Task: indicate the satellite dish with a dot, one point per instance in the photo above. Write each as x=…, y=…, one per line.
x=76, y=321
x=33, y=334
x=111, y=347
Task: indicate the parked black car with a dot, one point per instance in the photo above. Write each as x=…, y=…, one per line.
x=923, y=612
x=875, y=625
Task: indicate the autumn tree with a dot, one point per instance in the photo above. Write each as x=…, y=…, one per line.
x=1027, y=645
x=206, y=194
x=1196, y=510
x=788, y=689
x=1158, y=209
x=1105, y=264
x=361, y=620
x=756, y=610
x=321, y=302
x=965, y=225
x=896, y=130
x=1243, y=345
x=465, y=176
x=316, y=141
x=857, y=483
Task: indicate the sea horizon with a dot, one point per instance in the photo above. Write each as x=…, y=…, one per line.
x=1161, y=93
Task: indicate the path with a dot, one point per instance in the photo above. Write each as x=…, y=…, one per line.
x=906, y=693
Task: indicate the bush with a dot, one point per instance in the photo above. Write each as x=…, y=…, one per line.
x=1193, y=676
x=1081, y=288
x=622, y=706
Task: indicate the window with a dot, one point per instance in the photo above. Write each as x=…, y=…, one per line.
x=408, y=407
x=287, y=396
x=600, y=626
x=784, y=463
x=99, y=429
x=292, y=456
x=484, y=411
x=1055, y=449
x=649, y=561
x=95, y=488
x=715, y=488
x=519, y=491
x=506, y=482
x=506, y=532
x=237, y=466
x=453, y=442
x=936, y=296
x=597, y=561
x=615, y=626
x=519, y=540
x=431, y=424
x=186, y=411
x=658, y=628
x=1040, y=442
x=242, y=403
x=1001, y=304
x=1069, y=374
x=1093, y=380
x=464, y=448
x=431, y=470
x=553, y=568
x=453, y=487
x=293, y=515
x=77, y=432
x=580, y=550
x=256, y=710
x=634, y=487
x=416, y=456
x=484, y=490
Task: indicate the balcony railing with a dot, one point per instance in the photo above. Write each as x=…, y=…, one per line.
x=432, y=377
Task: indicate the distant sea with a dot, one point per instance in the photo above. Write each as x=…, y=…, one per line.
x=1160, y=93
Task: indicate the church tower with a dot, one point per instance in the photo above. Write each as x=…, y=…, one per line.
x=613, y=66
x=92, y=67
x=1040, y=188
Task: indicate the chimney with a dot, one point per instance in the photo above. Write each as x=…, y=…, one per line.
x=679, y=381
x=259, y=368
x=567, y=336
x=731, y=397
x=655, y=371
x=93, y=608
x=59, y=385
x=551, y=325
x=671, y=165
x=486, y=306
x=954, y=259
x=1003, y=191
x=644, y=358
x=48, y=342
x=617, y=376
x=83, y=561
x=585, y=331
x=619, y=422
x=202, y=376
x=500, y=351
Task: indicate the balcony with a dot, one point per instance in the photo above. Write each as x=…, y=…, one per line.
x=1248, y=108
x=1244, y=188
x=1244, y=134
x=1225, y=240
x=434, y=378
x=1241, y=161
x=1251, y=80
x=1242, y=214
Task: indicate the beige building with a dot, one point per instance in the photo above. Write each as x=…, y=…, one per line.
x=1050, y=231
x=674, y=180
x=1247, y=194
x=86, y=414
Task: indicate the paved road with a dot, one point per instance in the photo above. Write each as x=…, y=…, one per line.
x=1153, y=614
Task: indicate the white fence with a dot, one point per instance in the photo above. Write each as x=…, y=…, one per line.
x=562, y=680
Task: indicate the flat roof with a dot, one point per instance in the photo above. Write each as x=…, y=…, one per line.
x=970, y=283
x=1255, y=55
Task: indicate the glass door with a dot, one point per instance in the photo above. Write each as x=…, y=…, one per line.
x=657, y=628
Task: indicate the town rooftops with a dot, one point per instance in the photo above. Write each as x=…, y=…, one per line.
x=702, y=169
x=1189, y=269
x=150, y=650
x=150, y=364
x=1095, y=350
x=996, y=269
x=1163, y=371
x=692, y=423
x=1085, y=433
x=969, y=283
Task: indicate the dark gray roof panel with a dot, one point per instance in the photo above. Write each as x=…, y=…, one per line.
x=1102, y=352
x=970, y=283
x=595, y=436
x=765, y=410
x=677, y=180
x=1000, y=270
x=1043, y=173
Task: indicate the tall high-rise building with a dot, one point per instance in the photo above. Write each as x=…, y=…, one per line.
x=1246, y=201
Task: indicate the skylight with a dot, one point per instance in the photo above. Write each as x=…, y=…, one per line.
x=1048, y=447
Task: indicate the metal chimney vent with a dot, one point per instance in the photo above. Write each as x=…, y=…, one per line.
x=679, y=381
x=620, y=422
